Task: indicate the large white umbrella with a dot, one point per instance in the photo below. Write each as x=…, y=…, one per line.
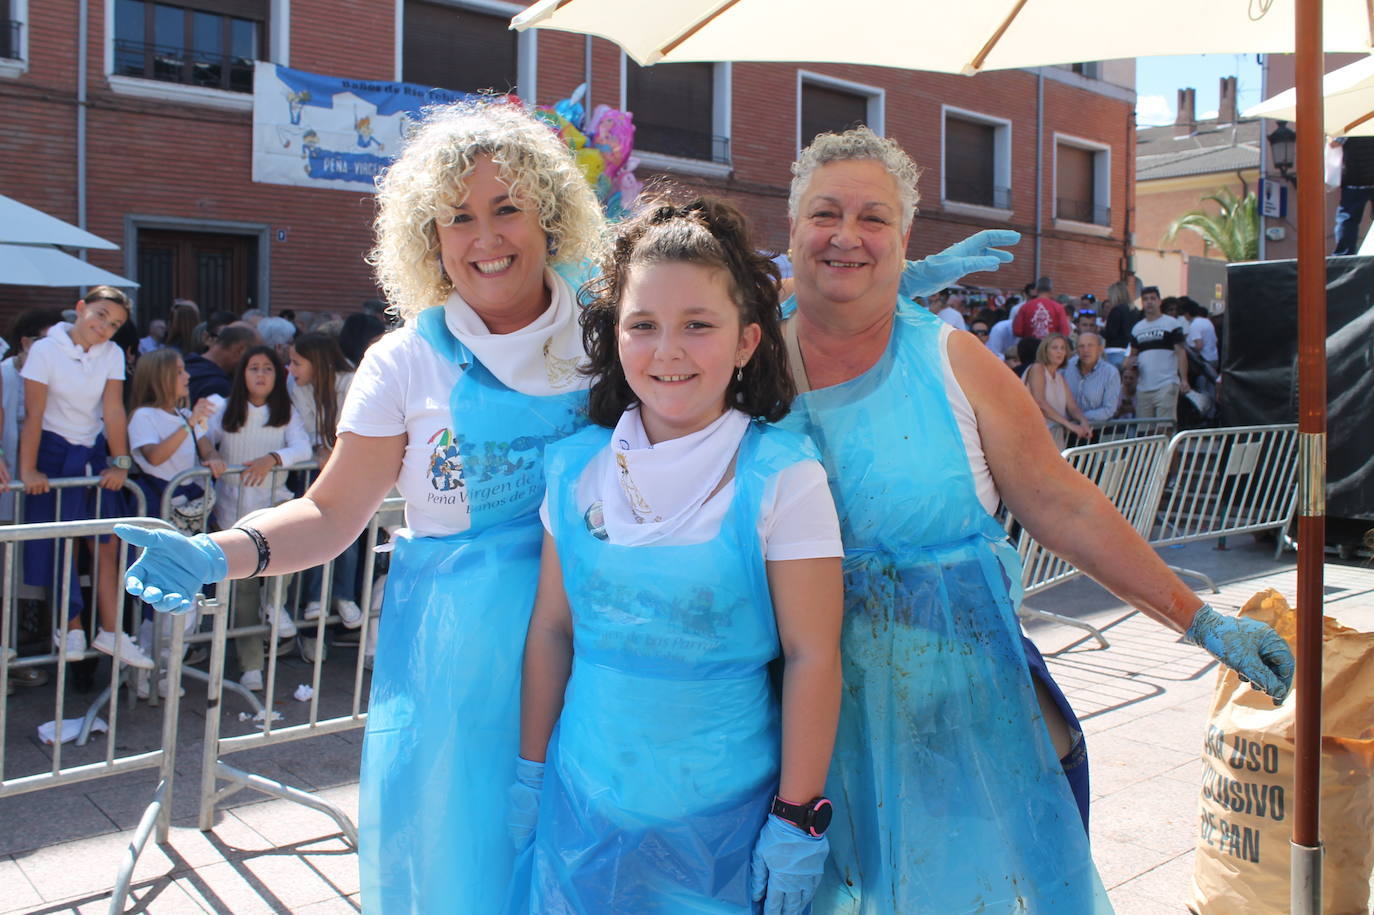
x=1348, y=102
x=43, y=265
x=947, y=37
x=22, y=224
x=973, y=35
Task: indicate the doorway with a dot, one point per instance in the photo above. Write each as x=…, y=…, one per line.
x=217, y=272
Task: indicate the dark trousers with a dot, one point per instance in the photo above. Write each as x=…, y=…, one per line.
x=58, y=457
x=1076, y=763
x=1349, y=214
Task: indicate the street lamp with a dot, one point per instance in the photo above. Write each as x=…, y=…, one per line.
x=1282, y=141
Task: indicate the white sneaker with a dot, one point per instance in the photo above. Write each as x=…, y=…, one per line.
x=286, y=627
x=311, y=611
x=350, y=613
x=251, y=680
x=122, y=648
x=143, y=684
x=76, y=642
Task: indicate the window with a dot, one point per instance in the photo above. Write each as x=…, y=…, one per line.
x=459, y=48
x=828, y=105
x=977, y=160
x=674, y=108
x=1090, y=69
x=12, y=29
x=204, y=44
x=1082, y=181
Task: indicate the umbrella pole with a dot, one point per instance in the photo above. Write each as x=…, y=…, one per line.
x=1306, y=888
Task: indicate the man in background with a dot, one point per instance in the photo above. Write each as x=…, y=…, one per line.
x=1357, y=191
x=1158, y=353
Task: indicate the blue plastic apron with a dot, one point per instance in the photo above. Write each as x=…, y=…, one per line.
x=948, y=794
x=665, y=758
x=443, y=722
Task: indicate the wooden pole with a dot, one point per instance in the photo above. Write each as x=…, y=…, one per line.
x=1306, y=852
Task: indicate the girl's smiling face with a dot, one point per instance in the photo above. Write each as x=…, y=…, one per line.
x=300, y=368
x=680, y=341
x=260, y=378
x=96, y=322
x=183, y=385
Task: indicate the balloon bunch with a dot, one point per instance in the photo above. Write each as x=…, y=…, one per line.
x=601, y=146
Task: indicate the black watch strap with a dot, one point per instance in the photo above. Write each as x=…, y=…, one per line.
x=812, y=818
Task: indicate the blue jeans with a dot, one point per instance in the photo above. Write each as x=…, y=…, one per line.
x=344, y=579
x=1348, y=216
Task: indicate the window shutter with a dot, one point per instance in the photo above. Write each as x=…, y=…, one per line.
x=970, y=156
x=456, y=48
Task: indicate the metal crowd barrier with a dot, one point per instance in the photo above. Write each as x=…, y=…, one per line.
x=219, y=779
x=1219, y=482
x=1114, y=430
x=1205, y=484
x=157, y=815
x=1126, y=472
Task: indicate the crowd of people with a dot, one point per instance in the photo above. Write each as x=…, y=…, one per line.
x=84, y=396
x=1138, y=356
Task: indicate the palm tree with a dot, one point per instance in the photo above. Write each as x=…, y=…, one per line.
x=1233, y=230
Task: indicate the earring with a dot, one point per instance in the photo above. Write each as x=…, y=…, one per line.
x=739, y=374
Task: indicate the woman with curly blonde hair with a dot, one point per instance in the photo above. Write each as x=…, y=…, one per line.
x=478, y=221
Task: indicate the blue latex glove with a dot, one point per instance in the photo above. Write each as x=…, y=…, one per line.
x=787, y=867
x=974, y=254
x=1250, y=648
x=522, y=806
x=173, y=567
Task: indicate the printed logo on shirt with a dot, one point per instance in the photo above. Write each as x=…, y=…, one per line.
x=446, y=469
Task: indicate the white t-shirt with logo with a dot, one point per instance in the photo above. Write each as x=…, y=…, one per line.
x=1153, y=342
x=402, y=387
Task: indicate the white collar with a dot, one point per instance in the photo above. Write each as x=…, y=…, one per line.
x=651, y=491
x=539, y=359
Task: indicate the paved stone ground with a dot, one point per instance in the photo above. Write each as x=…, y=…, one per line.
x=1144, y=702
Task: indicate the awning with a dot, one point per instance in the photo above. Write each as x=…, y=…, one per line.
x=22, y=224
x=43, y=265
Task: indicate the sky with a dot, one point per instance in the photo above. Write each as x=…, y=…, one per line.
x=1158, y=79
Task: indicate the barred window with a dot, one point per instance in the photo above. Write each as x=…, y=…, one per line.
x=196, y=43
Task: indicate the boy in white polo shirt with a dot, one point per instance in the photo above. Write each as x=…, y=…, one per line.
x=75, y=426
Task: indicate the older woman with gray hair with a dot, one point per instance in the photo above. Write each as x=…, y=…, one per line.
x=948, y=778
x=475, y=221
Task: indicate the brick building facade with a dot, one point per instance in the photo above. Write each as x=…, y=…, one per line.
x=167, y=159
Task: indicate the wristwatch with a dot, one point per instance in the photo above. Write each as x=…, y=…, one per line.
x=812, y=818
x=121, y=461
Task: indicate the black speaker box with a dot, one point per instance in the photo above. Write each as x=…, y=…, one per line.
x=1260, y=379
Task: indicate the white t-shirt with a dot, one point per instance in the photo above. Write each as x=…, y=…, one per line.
x=1153, y=344
x=151, y=426
x=76, y=383
x=797, y=519
x=953, y=317
x=402, y=387
x=967, y=421
x=303, y=399
x=1203, y=329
